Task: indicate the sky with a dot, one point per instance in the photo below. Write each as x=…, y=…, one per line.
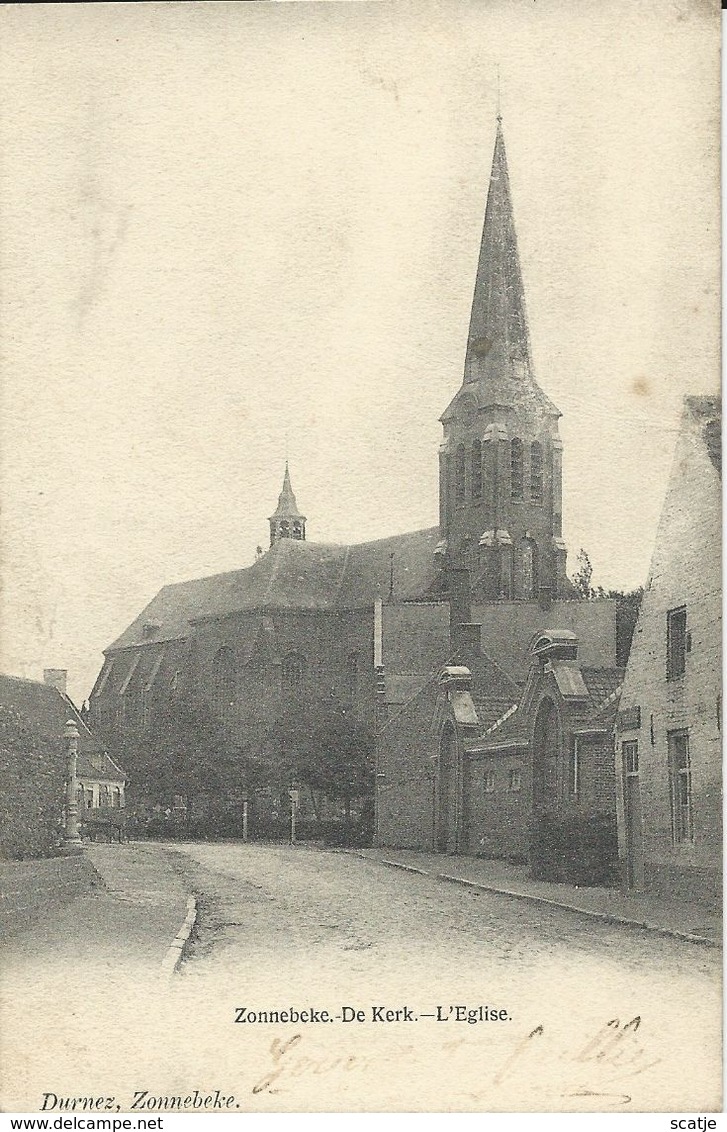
x=231, y=232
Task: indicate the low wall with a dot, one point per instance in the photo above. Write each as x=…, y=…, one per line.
x=28, y=888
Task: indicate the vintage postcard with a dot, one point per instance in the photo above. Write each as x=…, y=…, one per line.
x=360, y=716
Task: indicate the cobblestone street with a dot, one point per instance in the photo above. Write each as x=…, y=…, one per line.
x=592, y=1016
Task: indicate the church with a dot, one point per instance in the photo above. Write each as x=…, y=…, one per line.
x=429, y=638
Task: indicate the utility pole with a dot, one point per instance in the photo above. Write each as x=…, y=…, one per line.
x=293, y=811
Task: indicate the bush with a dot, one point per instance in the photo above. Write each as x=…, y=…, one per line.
x=32, y=777
x=580, y=849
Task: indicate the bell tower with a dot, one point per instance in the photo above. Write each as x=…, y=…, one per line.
x=286, y=521
x=500, y=495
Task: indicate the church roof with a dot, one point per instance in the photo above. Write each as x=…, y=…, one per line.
x=292, y=575
x=287, y=506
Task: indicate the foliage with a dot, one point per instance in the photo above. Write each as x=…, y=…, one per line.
x=583, y=576
x=184, y=753
x=32, y=781
x=629, y=603
x=327, y=751
x=575, y=849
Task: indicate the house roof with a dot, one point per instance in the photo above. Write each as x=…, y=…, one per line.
x=603, y=685
x=292, y=575
x=705, y=416
x=48, y=711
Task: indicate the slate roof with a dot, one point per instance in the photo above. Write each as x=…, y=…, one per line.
x=511, y=729
x=498, y=365
x=292, y=575
x=48, y=711
x=602, y=684
x=287, y=507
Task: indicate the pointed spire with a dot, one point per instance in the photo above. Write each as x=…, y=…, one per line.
x=498, y=340
x=287, y=521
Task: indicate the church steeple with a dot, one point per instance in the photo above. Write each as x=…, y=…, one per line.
x=286, y=521
x=498, y=343
x=500, y=458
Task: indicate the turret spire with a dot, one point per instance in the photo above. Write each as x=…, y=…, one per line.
x=287, y=521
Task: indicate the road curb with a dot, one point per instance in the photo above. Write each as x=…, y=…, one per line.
x=175, y=951
x=532, y=898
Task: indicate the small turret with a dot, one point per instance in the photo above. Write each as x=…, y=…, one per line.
x=286, y=521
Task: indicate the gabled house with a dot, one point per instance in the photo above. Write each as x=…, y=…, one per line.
x=545, y=783
x=669, y=726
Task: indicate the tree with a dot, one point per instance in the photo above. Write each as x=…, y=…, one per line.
x=583, y=576
x=340, y=761
x=184, y=753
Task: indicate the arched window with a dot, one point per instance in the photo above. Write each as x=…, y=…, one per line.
x=224, y=683
x=477, y=470
x=528, y=568
x=104, y=799
x=352, y=675
x=536, y=472
x=459, y=474
x=297, y=529
x=516, y=469
x=284, y=529
x=294, y=669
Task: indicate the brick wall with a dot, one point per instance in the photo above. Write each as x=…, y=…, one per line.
x=406, y=753
x=497, y=821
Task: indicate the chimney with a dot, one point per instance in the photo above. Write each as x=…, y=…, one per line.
x=56, y=678
x=465, y=638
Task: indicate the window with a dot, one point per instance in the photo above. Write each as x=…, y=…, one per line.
x=489, y=782
x=477, y=470
x=574, y=767
x=536, y=472
x=104, y=799
x=89, y=797
x=459, y=474
x=681, y=787
x=516, y=469
x=630, y=756
x=284, y=531
x=293, y=674
x=529, y=568
x=515, y=780
x=116, y=798
x=676, y=643
x=352, y=675
x=297, y=530
x=224, y=683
